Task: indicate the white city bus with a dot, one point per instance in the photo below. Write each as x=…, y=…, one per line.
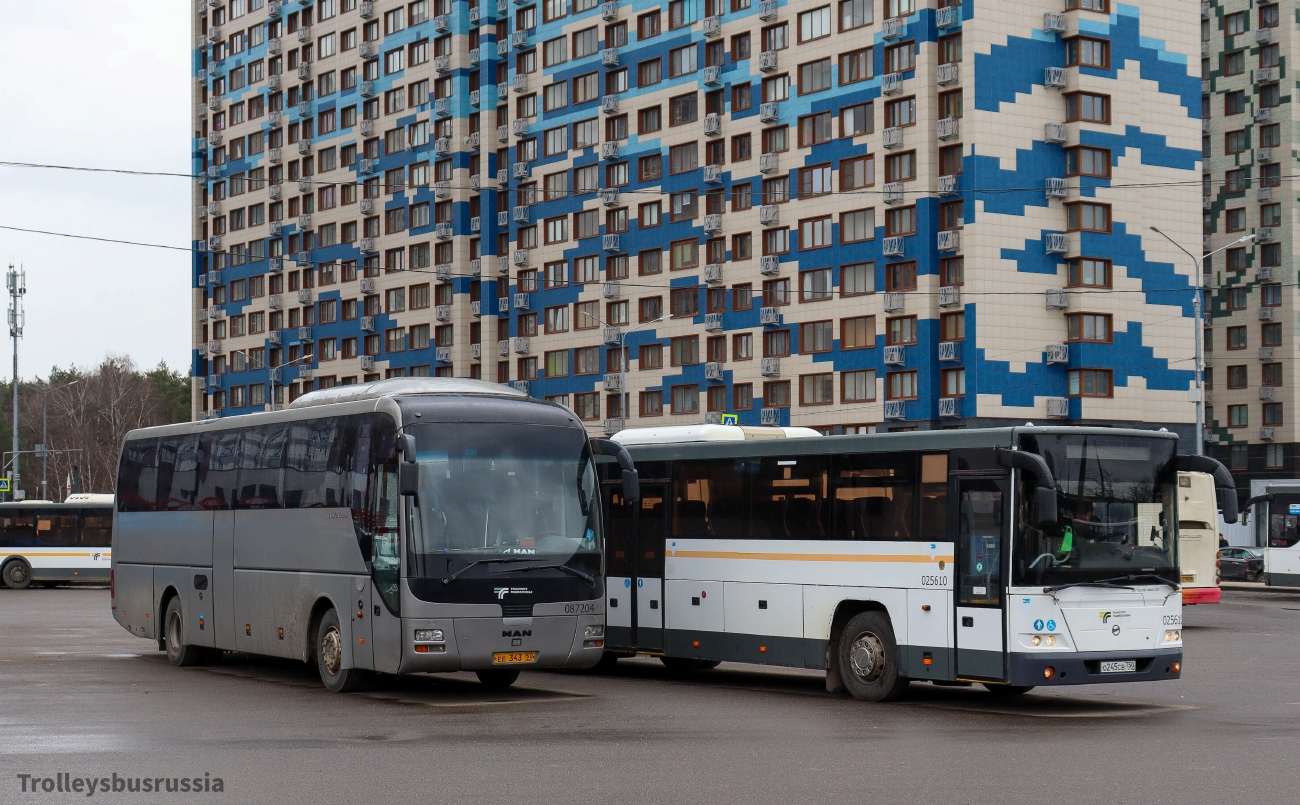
x=1198, y=538
x=406, y=525
x=1276, y=508
x=1011, y=557
x=51, y=543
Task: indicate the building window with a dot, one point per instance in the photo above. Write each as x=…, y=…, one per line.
x=900, y=385
x=818, y=389
x=953, y=382
x=1089, y=327
x=1087, y=217
x=1090, y=382
x=1088, y=107
x=858, y=332
x=1084, y=51
x=1236, y=337
x=857, y=279
x=1238, y=416
x=858, y=386
x=901, y=330
x=816, y=336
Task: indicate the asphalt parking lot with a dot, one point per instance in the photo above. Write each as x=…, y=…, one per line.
x=80, y=696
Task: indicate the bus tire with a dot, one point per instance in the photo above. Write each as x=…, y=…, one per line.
x=17, y=574
x=1007, y=691
x=868, y=657
x=606, y=663
x=179, y=654
x=497, y=679
x=329, y=657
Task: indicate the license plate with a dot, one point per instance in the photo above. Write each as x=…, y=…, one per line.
x=509, y=657
x=1187, y=578
x=1119, y=667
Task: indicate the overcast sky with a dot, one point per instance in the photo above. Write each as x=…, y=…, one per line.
x=100, y=84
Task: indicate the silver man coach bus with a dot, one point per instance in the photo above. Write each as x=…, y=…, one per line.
x=401, y=526
x=1010, y=557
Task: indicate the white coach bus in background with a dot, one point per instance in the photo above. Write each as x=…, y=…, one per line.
x=48, y=543
x=1011, y=557
x=406, y=525
x=1198, y=538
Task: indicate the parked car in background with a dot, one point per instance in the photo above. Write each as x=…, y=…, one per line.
x=1241, y=564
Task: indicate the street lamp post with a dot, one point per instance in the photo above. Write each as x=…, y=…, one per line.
x=270, y=380
x=622, y=363
x=1199, y=318
x=45, y=436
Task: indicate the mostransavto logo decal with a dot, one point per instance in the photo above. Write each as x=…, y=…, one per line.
x=502, y=592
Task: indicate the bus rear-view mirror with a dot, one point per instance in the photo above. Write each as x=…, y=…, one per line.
x=1227, y=504
x=1044, y=506
x=631, y=486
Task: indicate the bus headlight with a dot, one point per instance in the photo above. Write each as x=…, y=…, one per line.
x=1036, y=640
x=428, y=636
x=596, y=630
x=1051, y=640
x=1173, y=636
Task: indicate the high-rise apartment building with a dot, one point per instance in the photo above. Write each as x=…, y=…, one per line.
x=831, y=213
x=1246, y=48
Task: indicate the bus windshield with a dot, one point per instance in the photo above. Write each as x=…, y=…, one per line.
x=502, y=492
x=1116, y=515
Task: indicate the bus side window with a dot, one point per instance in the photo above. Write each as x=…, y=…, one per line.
x=96, y=528
x=137, y=476
x=875, y=496
x=219, y=472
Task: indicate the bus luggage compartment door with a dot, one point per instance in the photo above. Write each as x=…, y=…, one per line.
x=979, y=611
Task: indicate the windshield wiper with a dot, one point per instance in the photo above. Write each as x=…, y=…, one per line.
x=585, y=577
x=1113, y=582
x=453, y=576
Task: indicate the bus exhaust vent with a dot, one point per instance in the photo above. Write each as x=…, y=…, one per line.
x=516, y=610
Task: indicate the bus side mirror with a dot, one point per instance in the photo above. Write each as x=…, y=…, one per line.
x=1227, y=504
x=408, y=478
x=408, y=472
x=631, y=486
x=1044, y=506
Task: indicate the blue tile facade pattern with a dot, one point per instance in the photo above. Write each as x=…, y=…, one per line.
x=845, y=215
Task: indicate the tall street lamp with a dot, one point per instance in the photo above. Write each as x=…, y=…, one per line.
x=622, y=363
x=1199, y=314
x=45, y=436
x=271, y=375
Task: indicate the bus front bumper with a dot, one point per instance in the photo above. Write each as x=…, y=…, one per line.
x=1202, y=595
x=1084, y=668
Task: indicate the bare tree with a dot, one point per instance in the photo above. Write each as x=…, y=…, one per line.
x=91, y=410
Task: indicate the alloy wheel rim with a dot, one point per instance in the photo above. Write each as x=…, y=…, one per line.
x=866, y=657
x=18, y=572
x=331, y=651
x=174, y=634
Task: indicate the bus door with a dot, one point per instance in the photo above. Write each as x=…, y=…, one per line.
x=978, y=510
x=634, y=567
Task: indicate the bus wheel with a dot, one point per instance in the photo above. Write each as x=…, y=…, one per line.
x=17, y=574
x=497, y=680
x=329, y=657
x=1006, y=691
x=868, y=657
x=179, y=654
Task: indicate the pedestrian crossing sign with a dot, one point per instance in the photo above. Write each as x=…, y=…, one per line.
x=4, y=485
x=727, y=419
